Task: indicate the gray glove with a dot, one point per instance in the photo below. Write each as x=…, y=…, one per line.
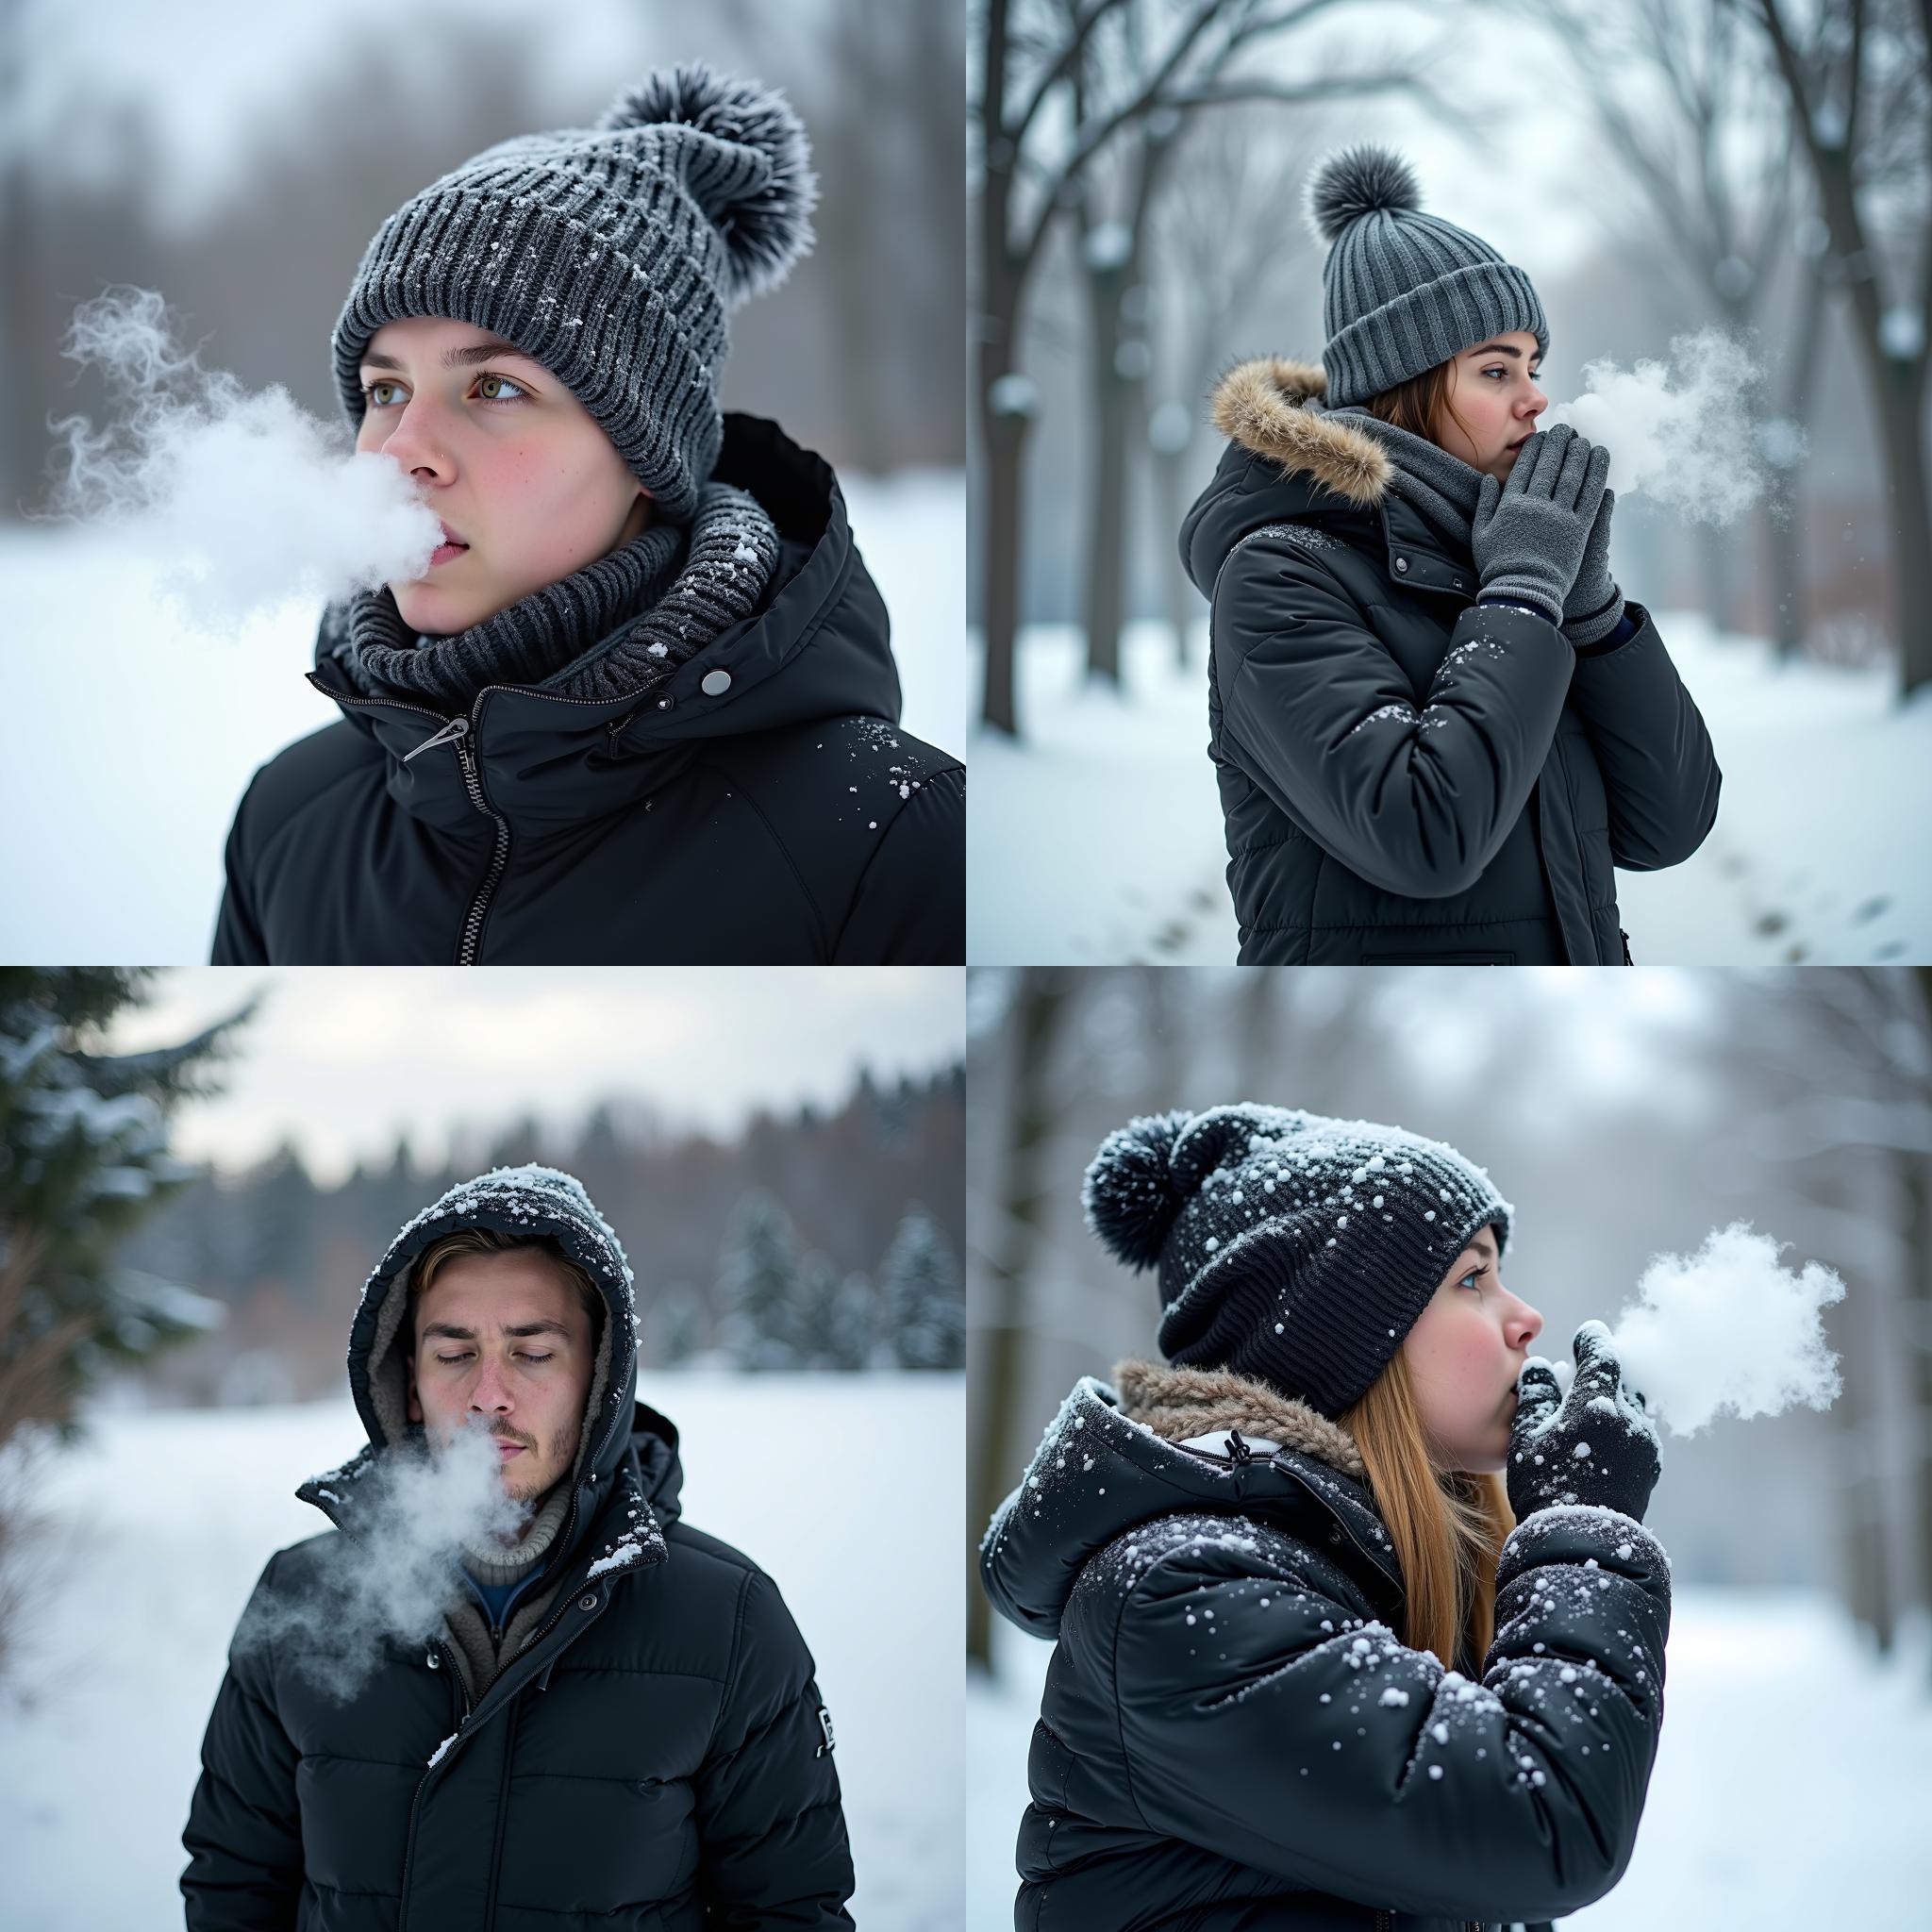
x=1529, y=534
x=1597, y=1445
x=1595, y=607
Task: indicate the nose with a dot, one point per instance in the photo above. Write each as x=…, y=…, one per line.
x=413, y=441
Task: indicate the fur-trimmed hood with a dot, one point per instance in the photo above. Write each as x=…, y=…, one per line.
x=1181, y=1404
x=1262, y=407
x=1289, y=462
x=1113, y=1460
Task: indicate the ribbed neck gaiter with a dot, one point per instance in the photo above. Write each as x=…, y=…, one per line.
x=493, y=1567
x=616, y=628
x=1440, y=488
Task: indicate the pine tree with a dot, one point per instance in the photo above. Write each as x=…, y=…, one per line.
x=757, y=1285
x=83, y=1158
x=918, y=1283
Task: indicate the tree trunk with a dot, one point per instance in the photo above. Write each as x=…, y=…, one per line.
x=1900, y=417
x=1784, y=524
x=1106, y=487
x=1039, y=1007
x=1714, y=566
x=1003, y=437
x=1180, y=593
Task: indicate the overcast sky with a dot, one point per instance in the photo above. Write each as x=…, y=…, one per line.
x=340, y=1059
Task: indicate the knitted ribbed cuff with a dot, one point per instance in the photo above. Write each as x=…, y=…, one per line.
x=1592, y=629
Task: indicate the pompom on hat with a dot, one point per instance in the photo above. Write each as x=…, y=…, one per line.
x=1403, y=291
x=1290, y=1247
x=611, y=253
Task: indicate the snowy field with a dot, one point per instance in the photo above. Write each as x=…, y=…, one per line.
x=129, y=740
x=1791, y=1789
x=1098, y=839
x=160, y=1527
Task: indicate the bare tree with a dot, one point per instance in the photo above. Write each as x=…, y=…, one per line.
x=1711, y=154
x=1061, y=83
x=1858, y=78
x=1225, y=251
x=1039, y=1012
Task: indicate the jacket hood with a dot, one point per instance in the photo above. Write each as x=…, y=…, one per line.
x=817, y=648
x=1157, y=1445
x=1285, y=461
x=623, y=1447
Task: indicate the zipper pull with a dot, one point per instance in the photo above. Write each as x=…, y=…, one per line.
x=455, y=728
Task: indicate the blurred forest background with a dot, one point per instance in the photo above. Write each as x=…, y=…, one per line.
x=810, y=1236
x=1655, y=165
x=1624, y=1115
x=237, y=159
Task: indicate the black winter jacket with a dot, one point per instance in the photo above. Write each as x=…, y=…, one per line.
x=1406, y=779
x=654, y=1757
x=782, y=819
x=1234, y=1740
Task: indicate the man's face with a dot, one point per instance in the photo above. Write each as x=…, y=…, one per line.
x=503, y=1339
x=513, y=464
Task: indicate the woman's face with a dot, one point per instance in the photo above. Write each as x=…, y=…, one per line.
x=1494, y=389
x=510, y=461
x=1464, y=1355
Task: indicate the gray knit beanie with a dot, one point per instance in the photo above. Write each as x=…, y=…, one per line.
x=1294, y=1248
x=612, y=255
x=1401, y=290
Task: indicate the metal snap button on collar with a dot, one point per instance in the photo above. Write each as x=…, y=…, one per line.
x=1401, y=564
x=715, y=683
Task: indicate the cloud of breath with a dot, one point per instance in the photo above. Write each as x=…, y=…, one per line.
x=1731, y=1328
x=1680, y=432
x=237, y=501
x=391, y=1580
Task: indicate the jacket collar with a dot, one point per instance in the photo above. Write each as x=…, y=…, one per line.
x=1100, y=1474
x=1288, y=462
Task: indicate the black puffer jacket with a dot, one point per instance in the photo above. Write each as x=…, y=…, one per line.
x=653, y=1757
x=781, y=820
x=1405, y=778
x=1233, y=1738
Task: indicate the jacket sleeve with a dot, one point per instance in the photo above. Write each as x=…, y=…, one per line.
x=243, y=1836
x=1659, y=772
x=1415, y=799
x=238, y=933
x=770, y=1821
x=1299, y=1739
x=910, y=906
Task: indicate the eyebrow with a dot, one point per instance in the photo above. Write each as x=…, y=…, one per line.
x=1502, y=349
x=460, y=358
x=456, y=1334
x=1483, y=1245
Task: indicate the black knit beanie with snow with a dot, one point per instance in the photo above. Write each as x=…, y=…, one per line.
x=1294, y=1248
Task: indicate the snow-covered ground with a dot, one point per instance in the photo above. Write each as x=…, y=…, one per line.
x=1791, y=1789
x=161, y=1527
x=1098, y=839
x=128, y=740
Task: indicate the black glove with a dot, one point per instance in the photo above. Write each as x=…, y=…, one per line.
x=1597, y=1445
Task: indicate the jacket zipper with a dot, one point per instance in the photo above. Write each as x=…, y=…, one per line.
x=499, y=859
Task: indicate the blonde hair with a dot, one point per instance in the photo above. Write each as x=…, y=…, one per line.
x=1420, y=404
x=1447, y=1526
x=487, y=1241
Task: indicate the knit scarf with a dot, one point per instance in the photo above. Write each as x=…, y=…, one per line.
x=490, y=1564
x=1441, y=489
x=617, y=628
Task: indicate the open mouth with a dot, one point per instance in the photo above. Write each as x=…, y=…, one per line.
x=1512, y=448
